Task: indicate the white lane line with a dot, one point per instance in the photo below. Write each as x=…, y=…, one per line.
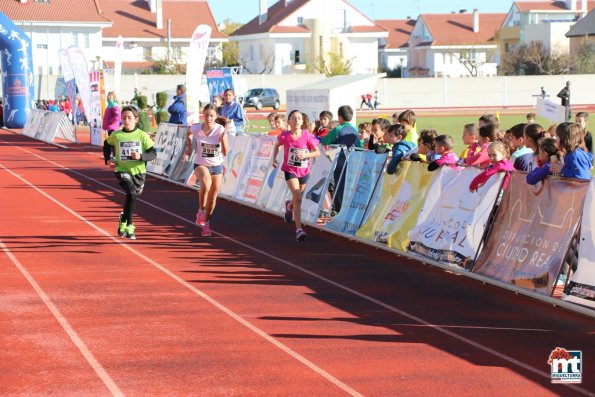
x=97, y=367
x=192, y=288
x=403, y=313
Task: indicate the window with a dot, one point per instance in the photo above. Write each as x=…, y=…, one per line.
x=300, y=20
x=147, y=52
x=297, y=57
x=51, y=71
x=42, y=46
x=75, y=39
x=87, y=40
x=320, y=45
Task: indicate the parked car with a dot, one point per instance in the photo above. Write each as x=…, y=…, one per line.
x=260, y=97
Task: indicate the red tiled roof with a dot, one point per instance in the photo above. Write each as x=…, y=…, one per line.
x=457, y=29
x=133, y=18
x=399, y=31
x=54, y=11
x=367, y=29
x=524, y=6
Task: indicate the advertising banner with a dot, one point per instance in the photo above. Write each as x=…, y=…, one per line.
x=532, y=232
x=400, y=202
x=317, y=185
x=274, y=190
x=165, y=146
x=195, y=64
x=219, y=80
x=78, y=65
x=256, y=164
x=581, y=288
x=452, y=221
x=94, y=108
x=362, y=173
x=69, y=80
x=118, y=65
x=233, y=164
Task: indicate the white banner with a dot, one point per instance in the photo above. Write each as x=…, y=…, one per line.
x=118, y=65
x=45, y=126
x=581, y=288
x=195, y=64
x=452, y=221
x=166, y=133
x=317, y=185
x=80, y=70
x=274, y=190
x=94, y=108
x=233, y=164
x=257, y=160
x=551, y=110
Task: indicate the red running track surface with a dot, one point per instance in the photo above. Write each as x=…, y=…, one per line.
x=247, y=312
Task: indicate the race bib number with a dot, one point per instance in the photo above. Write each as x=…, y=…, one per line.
x=126, y=149
x=293, y=159
x=208, y=150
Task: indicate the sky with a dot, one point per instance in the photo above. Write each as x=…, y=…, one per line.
x=244, y=10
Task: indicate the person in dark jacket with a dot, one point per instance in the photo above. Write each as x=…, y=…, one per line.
x=178, y=108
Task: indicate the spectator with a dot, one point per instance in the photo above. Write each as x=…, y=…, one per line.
x=426, y=145
x=564, y=96
x=577, y=161
x=488, y=119
x=548, y=151
x=279, y=123
x=233, y=110
x=528, y=160
x=488, y=133
x=531, y=118
x=364, y=130
x=113, y=114
x=177, y=110
x=271, y=119
x=376, y=142
x=517, y=141
x=498, y=155
x=582, y=119
x=376, y=103
x=470, y=137
x=444, y=145
x=407, y=119
x=323, y=124
x=395, y=136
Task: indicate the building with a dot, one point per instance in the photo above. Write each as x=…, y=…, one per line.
x=545, y=22
x=392, y=50
x=583, y=33
x=454, y=45
x=293, y=34
x=152, y=29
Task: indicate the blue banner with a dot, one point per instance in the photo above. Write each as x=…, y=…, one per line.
x=17, y=73
x=362, y=174
x=218, y=81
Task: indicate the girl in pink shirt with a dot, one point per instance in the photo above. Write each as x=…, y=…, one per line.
x=211, y=147
x=488, y=133
x=299, y=146
x=498, y=155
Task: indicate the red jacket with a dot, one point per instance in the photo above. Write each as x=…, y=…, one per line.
x=501, y=166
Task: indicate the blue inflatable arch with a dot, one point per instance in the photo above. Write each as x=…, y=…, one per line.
x=17, y=73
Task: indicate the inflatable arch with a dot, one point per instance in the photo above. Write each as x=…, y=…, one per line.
x=17, y=73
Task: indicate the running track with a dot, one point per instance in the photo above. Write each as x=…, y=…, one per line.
x=248, y=312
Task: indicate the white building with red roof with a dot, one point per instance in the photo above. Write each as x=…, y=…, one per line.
x=291, y=34
x=546, y=22
x=454, y=45
x=392, y=50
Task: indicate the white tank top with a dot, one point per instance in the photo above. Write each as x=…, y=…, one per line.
x=208, y=147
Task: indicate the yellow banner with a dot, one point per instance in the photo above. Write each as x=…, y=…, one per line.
x=400, y=202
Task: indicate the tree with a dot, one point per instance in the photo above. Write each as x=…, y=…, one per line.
x=163, y=65
x=471, y=60
x=584, y=60
x=534, y=59
x=231, y=49
x=266, y=57
x=335, y=65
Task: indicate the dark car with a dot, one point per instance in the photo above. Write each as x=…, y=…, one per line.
x=261, y=97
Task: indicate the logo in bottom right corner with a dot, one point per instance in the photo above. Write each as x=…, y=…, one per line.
x=566, y=365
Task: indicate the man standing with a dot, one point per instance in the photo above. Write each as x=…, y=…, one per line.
x=564, y=96
x=178, y=108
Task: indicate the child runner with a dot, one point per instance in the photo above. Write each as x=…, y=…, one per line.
x=444, y=145
x=133, y=147
x=548, y=151
x=298, y=146
x=577, y=161
x=498, y=155
x=211, y=146
x=233, y=110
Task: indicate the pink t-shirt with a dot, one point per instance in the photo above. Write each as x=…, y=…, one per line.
x=208, y=147
x=305, y=143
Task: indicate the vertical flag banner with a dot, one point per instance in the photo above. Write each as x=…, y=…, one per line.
x=195, y=64
x=400, y=203
x=69, y=80
x=233, y=164
x=255, y=166
x=118, y=65
x=581, y=288
x=532, y=232
x=94, y=108
x=79, y=68
x=452, y=221
x=363, y=170
x=317, y=186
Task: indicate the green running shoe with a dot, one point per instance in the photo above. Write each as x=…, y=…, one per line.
x=122, y=226
x=130, y=232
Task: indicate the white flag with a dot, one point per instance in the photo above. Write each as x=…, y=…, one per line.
x=197, y=55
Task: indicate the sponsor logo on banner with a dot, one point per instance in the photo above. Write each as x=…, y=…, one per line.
x=532, y=232
x=254, y=168
x=274, y=190
x=17, y=88
x=566, y=365
x=219, y=80
x=317, y=185
x=233, y=163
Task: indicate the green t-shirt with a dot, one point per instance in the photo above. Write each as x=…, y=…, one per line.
x=126, y=143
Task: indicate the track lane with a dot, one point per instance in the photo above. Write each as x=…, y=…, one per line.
x=341, y=320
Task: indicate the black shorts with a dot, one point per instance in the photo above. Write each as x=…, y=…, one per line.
x=290, y=175
x=129, y=181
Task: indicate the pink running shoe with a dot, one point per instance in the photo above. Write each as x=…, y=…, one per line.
x=288, y=212
x=206, y=230
x=201, y=217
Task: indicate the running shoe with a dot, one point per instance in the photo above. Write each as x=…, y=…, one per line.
x=122, y=226
x=288, y=212
x=206, y=230
x=201, y=217
x=300, y=235
x=130, y=232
